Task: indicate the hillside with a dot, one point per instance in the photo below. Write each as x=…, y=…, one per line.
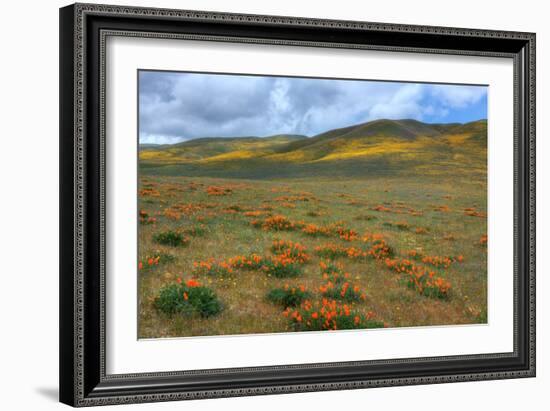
x=381, y=147
x=220, y=148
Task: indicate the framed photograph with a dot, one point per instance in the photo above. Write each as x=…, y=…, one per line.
x=261, y=204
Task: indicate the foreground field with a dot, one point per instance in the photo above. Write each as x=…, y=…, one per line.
x=369, y=252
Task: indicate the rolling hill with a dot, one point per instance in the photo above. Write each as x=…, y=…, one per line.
x=380, y=147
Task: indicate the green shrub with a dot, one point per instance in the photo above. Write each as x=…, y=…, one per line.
x=171, y=238
x=280, y=268
x=331, y=251
x=196, y=231
x=338, y=285
x=429, y=285
x=188, y=300
x=288, y=296
x=343, y=291
x=331, y=269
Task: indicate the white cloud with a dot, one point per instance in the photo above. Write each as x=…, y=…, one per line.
x=458, y=96
x=181, y=106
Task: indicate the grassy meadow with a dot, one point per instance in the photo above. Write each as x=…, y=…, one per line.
x=356, y=228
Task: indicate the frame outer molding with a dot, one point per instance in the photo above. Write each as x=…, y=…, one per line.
x=73, y=194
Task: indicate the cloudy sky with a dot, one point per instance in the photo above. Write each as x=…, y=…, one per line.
x=175, y=107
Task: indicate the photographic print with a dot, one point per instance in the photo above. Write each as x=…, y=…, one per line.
x=271, y=204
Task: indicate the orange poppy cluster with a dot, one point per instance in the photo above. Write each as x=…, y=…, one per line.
x=255, y=213
x=176, y=211
x=288, y=205
x=316, y=231
x=346, y=234
x=332, y=230
x=213, y=268
x=252, y=262
x=274, y=223
x=191, y=283
x=382, y=209
x=281, y=223
x=476, y=214
x=371, y=237
x=436, y=261
x=148, y=262
x=151, y=261
x=283, y=265
x=172, y=214
x=229, y=211
x=443, y=262
x=397, y=209
x=378, y=249
x=472, y=212
x=291, y=250
x=218, y=191
x=417, y=277
x=329, y=314
x=144, y=218
x=286, y=261
x=338, y=285
x=173, y=188
x=149, y=192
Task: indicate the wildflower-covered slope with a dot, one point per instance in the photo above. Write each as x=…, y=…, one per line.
x=381, y=147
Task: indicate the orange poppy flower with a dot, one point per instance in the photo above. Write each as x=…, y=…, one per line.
x=192, y=283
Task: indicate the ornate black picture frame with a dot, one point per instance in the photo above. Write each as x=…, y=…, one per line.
x=83, y=30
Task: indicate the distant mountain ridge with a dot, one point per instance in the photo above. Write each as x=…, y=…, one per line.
x=380, y=146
